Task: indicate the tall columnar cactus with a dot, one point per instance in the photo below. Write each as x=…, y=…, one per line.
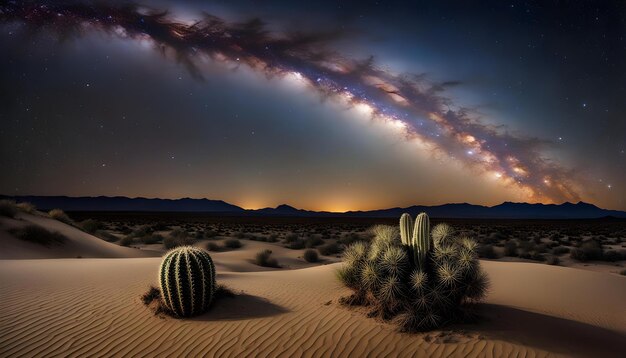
x=187, y=280
x=420, y=243
x=406, y=225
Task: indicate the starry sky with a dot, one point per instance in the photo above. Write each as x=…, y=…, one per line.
x=325, y=105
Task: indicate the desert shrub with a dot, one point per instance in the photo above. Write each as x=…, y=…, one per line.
x=525, y=249
x=537, y=256
x=553, y=260
x=212, y=246
x=541, y=248
x=510, y=248
x=26, y=207
x=152, y=294
x=257, y=238
x=159, y=226
x=556, y=236
x=125, y=230
x=210, y=234
x=272, y=238
x=495, y=237
x=588, y=251
x=60, y=215
x=487, y=252
x=38, y=235
x=560, y=250
x=91, y=226
x=350, y=238
x=8, y=208
x=152, y=239
x=296, y=245
x=623, y=272
x=614, y=255
x=106, y=236
x=313, y=241
x=177, y=238
x=127, y=241
x=329, y=249
x=289, y=238
x=264, y=258
x=178, y=233
x=414, y=282
x=552, y=244
x=170, y=242
x=232, y=243
x=310, y=255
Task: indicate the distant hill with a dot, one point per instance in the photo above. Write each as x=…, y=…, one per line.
x=506, y=210
x=121, y=203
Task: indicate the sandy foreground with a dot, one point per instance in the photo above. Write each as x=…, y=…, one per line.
x=92, y=307
x=81, y=307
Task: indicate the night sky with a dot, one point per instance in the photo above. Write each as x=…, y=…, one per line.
x=324, y=105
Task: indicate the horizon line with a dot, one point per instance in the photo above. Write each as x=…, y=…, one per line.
x=300, y=208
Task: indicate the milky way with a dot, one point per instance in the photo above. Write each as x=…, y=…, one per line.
x=413, y=104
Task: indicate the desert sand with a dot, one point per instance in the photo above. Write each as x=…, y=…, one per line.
x=92, y=307
x=78, y=243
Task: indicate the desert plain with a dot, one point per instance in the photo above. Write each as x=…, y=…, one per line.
x=82, y=295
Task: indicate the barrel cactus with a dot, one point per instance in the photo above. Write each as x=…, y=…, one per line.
x=187, y=281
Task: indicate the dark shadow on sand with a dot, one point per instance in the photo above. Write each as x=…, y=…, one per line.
x=558, y=335
x=240, y=306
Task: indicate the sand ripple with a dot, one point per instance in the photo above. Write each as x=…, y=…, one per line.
x=91, y=307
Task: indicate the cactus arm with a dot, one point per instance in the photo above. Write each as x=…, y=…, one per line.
x=406, y=222
x=421, y=240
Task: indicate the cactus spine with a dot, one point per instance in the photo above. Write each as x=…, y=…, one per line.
x=187, y=281
x=406, y=223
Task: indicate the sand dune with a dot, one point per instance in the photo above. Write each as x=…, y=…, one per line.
x=78, y=243
x=92, y=307
x=242, y=259
x=591, y=297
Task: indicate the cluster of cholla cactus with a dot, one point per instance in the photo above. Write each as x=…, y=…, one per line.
x=187, y=281
x=422, y=279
